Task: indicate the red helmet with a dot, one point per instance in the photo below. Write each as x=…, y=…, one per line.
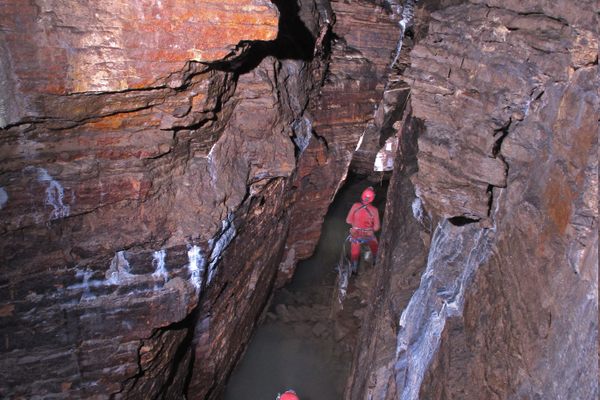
x=289, y=395
x=367, y=195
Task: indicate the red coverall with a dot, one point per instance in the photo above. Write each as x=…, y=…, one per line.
x=364, y=219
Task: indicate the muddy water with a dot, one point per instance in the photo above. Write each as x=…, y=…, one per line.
x=299, y=346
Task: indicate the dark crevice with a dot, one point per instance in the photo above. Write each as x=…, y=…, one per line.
x=191, y=127
x=298, y=310
x=500, y=135
x=137, y=385
x=462, y=220
x=490, y=193
x=388, y=130
x=540, y=14
x=294, y=42
x=132, y=380
x=322, y=140
x=180, y=354
x=539, y=96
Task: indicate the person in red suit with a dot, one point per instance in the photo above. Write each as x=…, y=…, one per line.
x=364, y=219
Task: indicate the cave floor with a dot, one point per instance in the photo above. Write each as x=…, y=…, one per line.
x=299, y=345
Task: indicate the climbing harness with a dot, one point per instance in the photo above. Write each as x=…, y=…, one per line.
x=344, y=271
x=371, y=217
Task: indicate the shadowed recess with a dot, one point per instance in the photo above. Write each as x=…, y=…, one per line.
x=294, y=42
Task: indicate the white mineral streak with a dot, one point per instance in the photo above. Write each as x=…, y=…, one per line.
x=196, y=266
x=405, y=22
x=212, y=168
x=55, y=195
x=117, y=273
x=454, y=256
x=227, y=234
x=303, y=133
x=384, y=160
x=119, y=270
x=417, y=209
x=86, y=284
x=158, y=261
x=498, y=194
x=3, y=198
x=360, y=141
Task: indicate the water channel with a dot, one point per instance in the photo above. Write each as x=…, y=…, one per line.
x=299, y=346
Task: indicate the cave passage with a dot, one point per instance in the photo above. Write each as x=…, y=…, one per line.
x=299, y=345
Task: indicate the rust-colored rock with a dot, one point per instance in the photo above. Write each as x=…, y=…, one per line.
x=57, y=47
x=111, y=46
x=155, y=188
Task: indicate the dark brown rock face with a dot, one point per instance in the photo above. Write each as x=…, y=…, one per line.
x=506, y=96
x=156, y=180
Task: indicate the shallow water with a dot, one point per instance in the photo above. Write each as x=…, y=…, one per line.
x=287, y=355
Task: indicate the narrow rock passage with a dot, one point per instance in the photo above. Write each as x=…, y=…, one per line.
x=299, y=346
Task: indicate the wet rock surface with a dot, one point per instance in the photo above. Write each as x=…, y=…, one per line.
x=148, y=212
x=507, y=307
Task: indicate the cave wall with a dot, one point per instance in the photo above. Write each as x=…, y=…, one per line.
x=531, y=318
x=159, y=161
x=506, y=95
x=158, y=164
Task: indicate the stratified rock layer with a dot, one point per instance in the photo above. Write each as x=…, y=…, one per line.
x=473, y=93
x=57, y=47
x=506, y=96
x=150, y=203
